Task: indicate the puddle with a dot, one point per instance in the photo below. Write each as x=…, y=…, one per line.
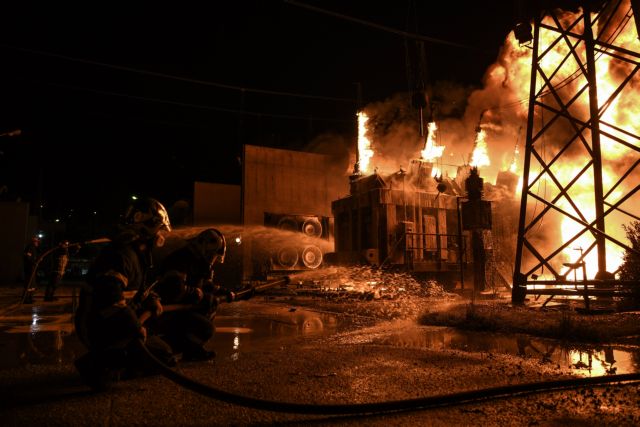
x=45, y=334
x=587, y=360
x=278, y=327
x=38, y=334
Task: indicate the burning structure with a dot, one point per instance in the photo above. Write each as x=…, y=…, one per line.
x=417, y=219
x=399, y=219
x=427, y=225
x=582, y=148
x=573, y=84
x=576, y=181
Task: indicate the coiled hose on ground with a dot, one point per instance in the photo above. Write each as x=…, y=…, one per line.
x=388, y=406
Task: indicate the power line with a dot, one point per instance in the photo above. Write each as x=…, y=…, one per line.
x=198, y=106
x=178, y=78
x=385, y=28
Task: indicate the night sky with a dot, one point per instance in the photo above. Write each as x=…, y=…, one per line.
x=146, y=99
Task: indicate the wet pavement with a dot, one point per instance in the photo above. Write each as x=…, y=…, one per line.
x=277, y=351
x=43, y=333
x=583, y=359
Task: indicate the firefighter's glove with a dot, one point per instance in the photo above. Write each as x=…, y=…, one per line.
x=172, y=286
x=153, y=305
x=157, y=308
x=143, y=333
x=231, y=296
x=209, y=303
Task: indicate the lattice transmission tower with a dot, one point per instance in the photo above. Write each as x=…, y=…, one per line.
x=581, y=176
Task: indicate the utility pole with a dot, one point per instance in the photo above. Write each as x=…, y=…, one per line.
x=356, y=167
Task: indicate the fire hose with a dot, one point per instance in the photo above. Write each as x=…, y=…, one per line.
x=28, y=291
x=421, y=403
x=242, y=294
x=465, y=397
x=428, y=402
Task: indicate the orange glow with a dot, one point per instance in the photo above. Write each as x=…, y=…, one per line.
x=480, y=156
x=365, y=153
x=432, y=151
x=504, y=98
x=514, y=163
x=623, y=111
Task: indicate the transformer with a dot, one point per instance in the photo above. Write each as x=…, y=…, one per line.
x=402, y=220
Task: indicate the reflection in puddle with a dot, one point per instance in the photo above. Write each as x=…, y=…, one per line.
x=276, y=328
x=46, y=336
x=588, y=360
x=232, y=330
x=37, y=335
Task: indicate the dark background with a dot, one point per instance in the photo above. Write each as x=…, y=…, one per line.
x=99, y=123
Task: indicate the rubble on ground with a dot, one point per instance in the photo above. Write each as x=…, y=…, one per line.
x=368, y=291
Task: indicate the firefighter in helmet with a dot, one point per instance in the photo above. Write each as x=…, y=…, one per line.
x=186, y=277
x=107, y=324
x=30, y=257
x=60, y=261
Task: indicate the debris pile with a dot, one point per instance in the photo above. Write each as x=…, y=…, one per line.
x=372, y=283
x=368, y=291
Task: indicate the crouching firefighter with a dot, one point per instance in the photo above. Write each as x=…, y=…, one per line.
x=108, y=325
x=186, y=280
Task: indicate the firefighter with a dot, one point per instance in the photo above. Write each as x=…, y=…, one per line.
x=30, y=258
x=186, y=277
x=108, y=325
x=61, y=258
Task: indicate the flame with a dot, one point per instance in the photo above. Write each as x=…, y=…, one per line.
x=432, y=150
x=623, y=112
x=583, y=196
x=514, y=163
x=365, y=153
x=480, y=157
x=506, y=85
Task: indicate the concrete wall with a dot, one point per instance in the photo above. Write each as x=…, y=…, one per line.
x=285, y=181
x=14, y=229
x=216, y=204
x=274, y=181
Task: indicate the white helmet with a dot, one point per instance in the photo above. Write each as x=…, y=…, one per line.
x=149, y=218
x=210, y=243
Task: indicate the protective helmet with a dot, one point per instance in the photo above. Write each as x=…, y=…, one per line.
x=210, y=243
x=149, y=218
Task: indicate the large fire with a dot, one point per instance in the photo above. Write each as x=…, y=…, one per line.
x=504, y=97
x=365, y=153
x=513, y=168
x=619, y=112
x=480, y=156
x=432, y=151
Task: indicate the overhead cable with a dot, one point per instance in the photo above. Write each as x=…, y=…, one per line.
x=198, y=106
x=178, y=78
x=385, y=28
